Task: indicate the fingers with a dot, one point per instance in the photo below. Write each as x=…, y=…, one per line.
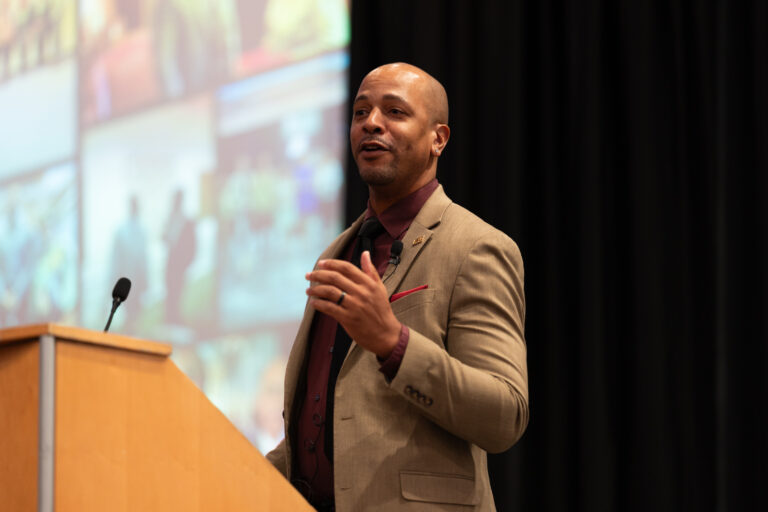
x=364, y=311
x=330, y=308
x=368, y=267
x=332, y=278
x=343, y=274
x=326, y=292
x=343, y=267
x=325, y=299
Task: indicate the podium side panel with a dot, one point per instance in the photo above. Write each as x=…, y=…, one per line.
x=134, y=433
x=19, y=381
x=243, y=472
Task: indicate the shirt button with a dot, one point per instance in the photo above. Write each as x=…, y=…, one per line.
x=317, y=398
x=309, y=444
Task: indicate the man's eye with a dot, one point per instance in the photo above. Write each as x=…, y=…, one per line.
x=396, y=111
x=358, y=113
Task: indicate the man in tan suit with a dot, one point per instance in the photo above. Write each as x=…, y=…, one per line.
x=435, y=373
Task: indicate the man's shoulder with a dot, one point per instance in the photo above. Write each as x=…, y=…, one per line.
x=465, y=241
x=462, y=224
x=441, y=213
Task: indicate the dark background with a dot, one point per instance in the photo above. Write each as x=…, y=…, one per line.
x=623, y=145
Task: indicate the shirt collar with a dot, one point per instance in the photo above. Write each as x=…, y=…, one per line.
x=398, y=217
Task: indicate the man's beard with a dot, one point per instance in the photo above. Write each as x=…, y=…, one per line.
x=379, y=176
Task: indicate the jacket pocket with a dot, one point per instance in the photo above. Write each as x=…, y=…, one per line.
x=400, y=295
x=412, y=300
x=438, y=488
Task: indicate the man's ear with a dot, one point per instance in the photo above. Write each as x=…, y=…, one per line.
x=442, y=134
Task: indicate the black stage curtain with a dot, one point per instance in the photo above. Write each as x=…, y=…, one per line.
x=623, y=145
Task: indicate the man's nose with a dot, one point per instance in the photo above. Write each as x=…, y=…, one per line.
x=373, y=122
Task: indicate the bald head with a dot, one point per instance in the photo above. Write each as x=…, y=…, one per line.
x=432, y=92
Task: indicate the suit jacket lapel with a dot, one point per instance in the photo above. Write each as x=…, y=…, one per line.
x=298, y=350
x=414, y=241
x=417, y=237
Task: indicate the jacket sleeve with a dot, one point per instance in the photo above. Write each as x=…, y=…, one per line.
x=277, y=458
x=474, y=382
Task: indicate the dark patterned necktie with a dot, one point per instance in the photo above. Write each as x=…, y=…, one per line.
x=368, y=232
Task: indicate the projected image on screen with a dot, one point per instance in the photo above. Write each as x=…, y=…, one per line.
x=143, y=218
x=192, y=146
x=38, y=118
x=38, y=102
x=281, y=176
x=38, y=253
x=138, y=52
x=34, y=34
x=273, y=32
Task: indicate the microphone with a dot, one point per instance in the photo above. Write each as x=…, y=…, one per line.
x=394, y=252
x=119, y=294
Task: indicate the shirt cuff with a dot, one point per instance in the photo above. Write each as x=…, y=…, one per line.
x=390, y=365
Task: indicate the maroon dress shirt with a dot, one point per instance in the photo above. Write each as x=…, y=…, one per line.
x=314, y=468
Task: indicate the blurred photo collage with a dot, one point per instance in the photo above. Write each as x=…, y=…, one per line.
x=194, y=146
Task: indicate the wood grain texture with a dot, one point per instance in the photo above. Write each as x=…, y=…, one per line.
x=64, y=332
x=19, y=370
x=134, y=433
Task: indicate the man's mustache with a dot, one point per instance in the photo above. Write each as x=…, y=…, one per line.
x=373, y=140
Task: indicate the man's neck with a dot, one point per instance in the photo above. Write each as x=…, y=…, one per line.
x=382, y=197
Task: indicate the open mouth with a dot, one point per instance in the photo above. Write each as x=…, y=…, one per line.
x=373, y=148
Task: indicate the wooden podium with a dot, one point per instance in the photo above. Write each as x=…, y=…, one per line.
x=92, y=421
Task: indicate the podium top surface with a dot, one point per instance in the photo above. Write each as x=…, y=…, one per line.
x=32, y=332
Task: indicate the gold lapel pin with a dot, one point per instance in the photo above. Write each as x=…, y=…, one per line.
x=418, y=240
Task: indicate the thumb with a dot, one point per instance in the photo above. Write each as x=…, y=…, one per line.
x=366, y=265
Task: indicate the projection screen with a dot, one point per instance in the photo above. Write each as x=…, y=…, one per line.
x=193, y=146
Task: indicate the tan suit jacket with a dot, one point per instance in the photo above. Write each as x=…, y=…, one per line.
x=419, y=442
